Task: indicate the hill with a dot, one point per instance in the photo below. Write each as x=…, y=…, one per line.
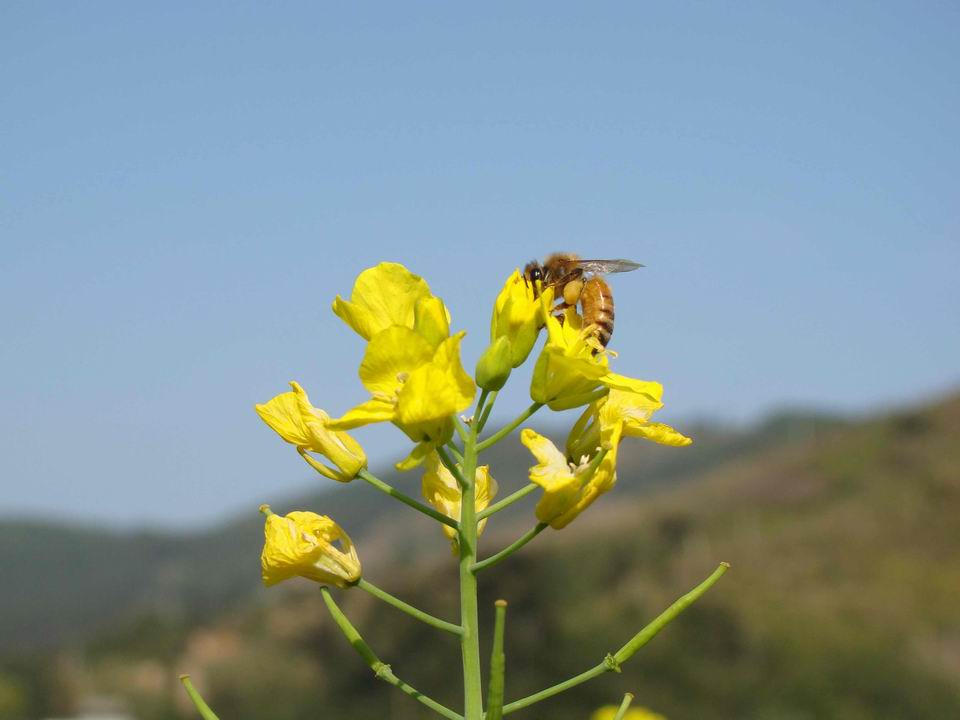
x=74, y=580
x=840, y=604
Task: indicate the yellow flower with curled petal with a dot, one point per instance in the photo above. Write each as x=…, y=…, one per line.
x=389, y=294
x=621, y=414
x=568, y=488
x=294, y=419
x=417, y=387
x=441, y=490
x=309, y=545
x=518, y=315
x=573, y=368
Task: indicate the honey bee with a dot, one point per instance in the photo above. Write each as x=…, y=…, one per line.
x=577, y=280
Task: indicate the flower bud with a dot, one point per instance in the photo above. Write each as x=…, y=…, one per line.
x=518, y=316
x=495, y=365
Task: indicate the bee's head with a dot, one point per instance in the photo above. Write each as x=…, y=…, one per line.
x=533, y=272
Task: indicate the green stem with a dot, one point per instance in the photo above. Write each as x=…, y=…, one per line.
x=486, y=412
x=455, y=451
x=497, y=664
x=454, y=469
x=613, y=662
x=469, y=620
x=664, y=618
x=408, y=609
x=506, y=430
x=406, y=499
x=507, y=501
x=511, y=549
x=205, y=712
x=380, y=669
x=624, y=706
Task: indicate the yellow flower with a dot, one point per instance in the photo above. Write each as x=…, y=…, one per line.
x=518, y=315
x=294, y=419
x=573, y=368
x=306, y=544
x=621, y=414
x=609, y=712
x=389, y=294
x=568, y=489
x=414, y=385
x=442, y=491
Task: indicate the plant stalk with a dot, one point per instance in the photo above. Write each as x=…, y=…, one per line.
x=611, y=663
x=469, y=616
x=507, y=429
x=512, y=548
x=408, y=609
x=497, y=664
x=380, y=669
x=406, y=499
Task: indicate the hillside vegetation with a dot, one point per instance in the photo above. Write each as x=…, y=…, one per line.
x=841, y=602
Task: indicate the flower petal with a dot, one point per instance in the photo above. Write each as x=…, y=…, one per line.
x=382, y=296
x=372, y=411
x=391, y=356
x=283, y=415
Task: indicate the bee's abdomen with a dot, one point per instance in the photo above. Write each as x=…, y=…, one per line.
x=596, y=299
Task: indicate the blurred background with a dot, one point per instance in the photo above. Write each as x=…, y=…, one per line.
x=184, y=189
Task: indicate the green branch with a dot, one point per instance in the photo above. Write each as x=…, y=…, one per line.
x=486, y=412
x=507, y=429
x=507, y=501
x=380, y=669
x=452, y=466
x=497, y=664
x=205, y=712
x=613, y=662
x=624, y=706
x=407, y=500
x=408, y=609
x=512, y=548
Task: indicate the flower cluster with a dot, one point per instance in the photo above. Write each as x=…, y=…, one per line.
x=413, y=373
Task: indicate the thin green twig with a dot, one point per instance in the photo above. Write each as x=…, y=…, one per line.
x=624, y=706
x=497, y=664
x=452, y=466
x=409, y=609
x=512, y=548
x=455, y=450
x=205, y=712
x=380, y=669
x=407, y=500
x=507, y=501
x=507, y=429
x=482, y=421
x=612, y=663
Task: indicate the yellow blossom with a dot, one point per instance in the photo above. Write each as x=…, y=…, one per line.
x=568, y=488
x=309, y=545
x=389, y=294
x=414, y=385
x=294, y=419
x=622, y=414
x=573, y=368
x=518, y=315
x=441, y=490
x=609, y=712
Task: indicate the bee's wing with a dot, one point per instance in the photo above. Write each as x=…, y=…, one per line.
x=602, y=267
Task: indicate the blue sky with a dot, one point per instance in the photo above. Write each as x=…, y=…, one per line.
x=184, y=188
